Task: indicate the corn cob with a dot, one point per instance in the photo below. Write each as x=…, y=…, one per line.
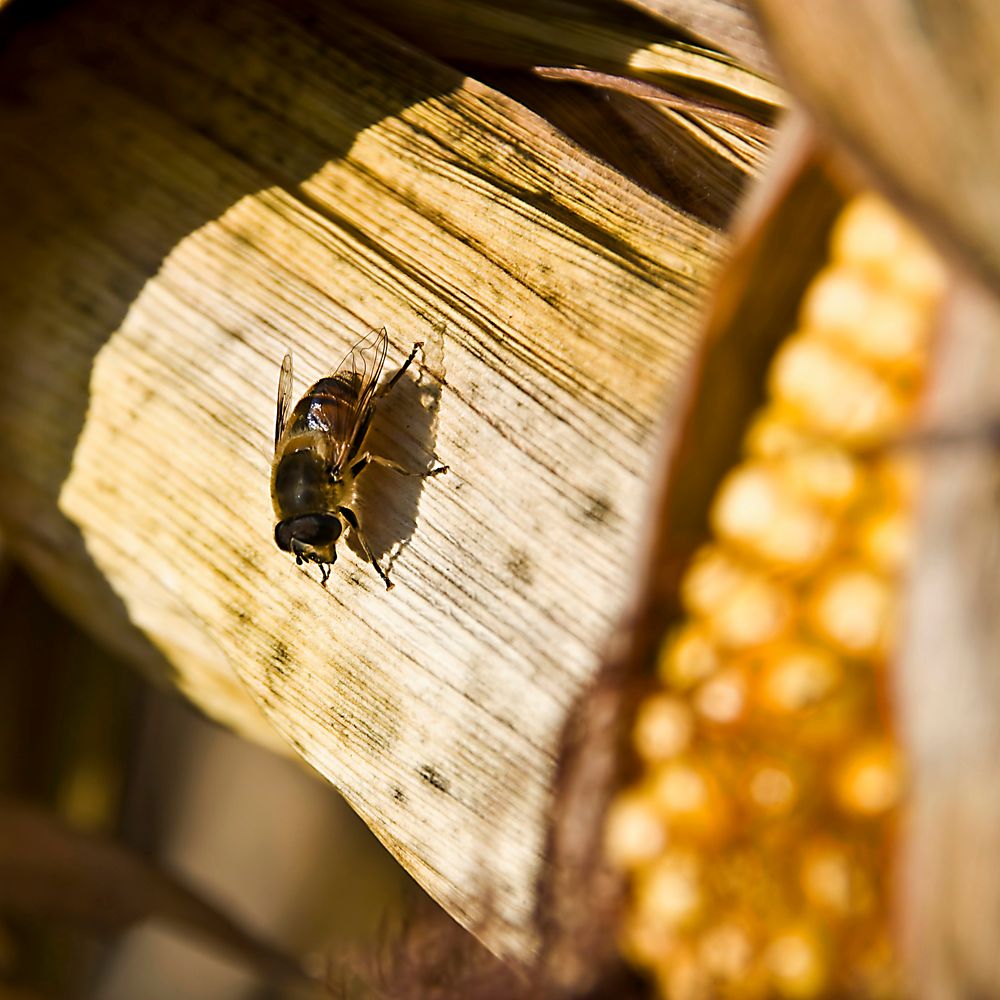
x=758, y=838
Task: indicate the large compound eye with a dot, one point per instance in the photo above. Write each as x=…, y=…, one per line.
x=318, y=530
x=283, y=535
x=315, y=530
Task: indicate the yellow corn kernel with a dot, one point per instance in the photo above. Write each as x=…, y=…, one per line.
x=895, y=480
x=713, y=576
x=831, y=880
x=684, y=977
x=760, y=611
x=919, y=274
x=895, y=334
x=834, y=394
x=849, y=607
x=798, y=962
x=689, y=798
x=663, y=727
x=634, y=832
x=741, y=606
x=839, y=299
x=688, y=657
x=754, y=510
x=726, y=950
x=724, y=698
x=823, y=474
x=873, y=966
x=870, y=235
x=777, y=431
x=797, y=675
x=669, y=891
x=869, y=781
x=866, y=320
x=645, y=941
x=772, y=788
x=885, y=538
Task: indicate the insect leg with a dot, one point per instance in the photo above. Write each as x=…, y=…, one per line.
x=352, y=520
x=395, y=378
x=369, y=459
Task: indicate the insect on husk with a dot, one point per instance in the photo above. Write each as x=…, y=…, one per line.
x=319, y=454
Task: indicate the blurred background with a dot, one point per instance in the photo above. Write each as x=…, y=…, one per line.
x=98, y=747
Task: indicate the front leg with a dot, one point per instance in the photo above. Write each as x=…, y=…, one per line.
x=384, y=390
x=352, y=519
x=369, y=459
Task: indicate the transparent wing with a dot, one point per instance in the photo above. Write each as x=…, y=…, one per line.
x=363, y=366
x=345, y=398
x=284, y=398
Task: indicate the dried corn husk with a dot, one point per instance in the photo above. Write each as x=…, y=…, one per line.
x=184, y=209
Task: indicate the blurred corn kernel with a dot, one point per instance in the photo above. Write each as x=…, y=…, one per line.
x=834, y=394
x=849, y=607
x=689, y=658
x=885, y=538
x=635, y=832
x=868, y=234
x=663, y=727
x=670, y=890
x=772, y=789
x=690, y=799
x=775, y=432
x=713, y=576
x=726, y=949
x=824, y=475
x=798, y=962
x=645, y=941
x=756, y=511
x=868, y=321
x=724, y=698
x=831, y=879
x=796, y=676
x=869, y=780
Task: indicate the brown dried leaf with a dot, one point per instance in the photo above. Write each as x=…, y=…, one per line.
x=711, y=110
x=703, y=154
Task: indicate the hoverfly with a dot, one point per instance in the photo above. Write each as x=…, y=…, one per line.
x=318, y=454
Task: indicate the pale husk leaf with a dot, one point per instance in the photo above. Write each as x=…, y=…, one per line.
x=946, y=682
